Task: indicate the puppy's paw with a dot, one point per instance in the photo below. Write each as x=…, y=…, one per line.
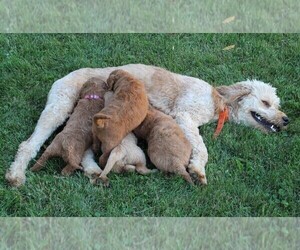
x=197, y=176
x=66, y=172
x=103, y=180
x=93, y=178
x=15, y=179
x=92, y=173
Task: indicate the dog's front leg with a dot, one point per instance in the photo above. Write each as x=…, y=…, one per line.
x=199, y=155
x=61, y=100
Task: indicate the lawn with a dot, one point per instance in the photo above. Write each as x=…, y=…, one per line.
x=249, y=173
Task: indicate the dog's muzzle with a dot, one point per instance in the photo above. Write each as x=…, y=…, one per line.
x=286, y=120
x=272, y=127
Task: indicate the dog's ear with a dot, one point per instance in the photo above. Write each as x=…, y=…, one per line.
x=113, y=78
x=101, y=119
x=233, y=93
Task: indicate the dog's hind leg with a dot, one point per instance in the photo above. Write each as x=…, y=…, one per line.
x=115, y=158
x=199, y=155
x=70, y=168
x=106, y=149
x=185, y=175
x=104, y=158
x=73, y=157
x=40, y=162
x=54, y=149
x=61, y=100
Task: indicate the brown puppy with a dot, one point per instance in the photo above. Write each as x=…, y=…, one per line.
x=168, y=148
x=76, y=136
x=128, y=108
x=126, y=157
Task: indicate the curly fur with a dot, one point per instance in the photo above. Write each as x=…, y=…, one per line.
x=190, y=101
x=168, y=148
x=246, y=97
x=127, y=110
x=126, y=157
x=76, y=136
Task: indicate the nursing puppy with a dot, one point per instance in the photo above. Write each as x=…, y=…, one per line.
x=77, y=136
x=128, y=108
x=168, y=148
x=126, y=157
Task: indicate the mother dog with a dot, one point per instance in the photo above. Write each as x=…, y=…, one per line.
x=190, y=101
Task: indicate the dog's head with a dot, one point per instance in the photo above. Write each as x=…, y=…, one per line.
x=255, y=104
x=114, y=77
x=94, y=85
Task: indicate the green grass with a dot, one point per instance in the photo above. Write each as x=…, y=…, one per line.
x=249, y=173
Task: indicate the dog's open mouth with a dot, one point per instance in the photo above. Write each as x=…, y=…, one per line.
x=261, y=120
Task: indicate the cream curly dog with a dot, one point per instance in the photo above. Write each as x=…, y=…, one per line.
x=190, y=101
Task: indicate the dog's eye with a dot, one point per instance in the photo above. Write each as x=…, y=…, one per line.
x=266, y=103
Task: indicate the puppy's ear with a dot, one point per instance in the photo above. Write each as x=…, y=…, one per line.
x=233, y=93
x=101, y=119
x=105, y=86
x=111, y=80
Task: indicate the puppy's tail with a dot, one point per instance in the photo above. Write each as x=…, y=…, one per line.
x=54, y=149
x=40, y=162
x=100, y=119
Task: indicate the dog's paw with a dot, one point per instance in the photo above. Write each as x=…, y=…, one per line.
x=93, y=178
x=66, y=172
x=103, y=180
x=92, y=174
x=15, y=179
x=196, y=175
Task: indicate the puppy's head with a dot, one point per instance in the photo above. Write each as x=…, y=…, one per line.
x=94, y=85
x=114, y=77
x=255, y=104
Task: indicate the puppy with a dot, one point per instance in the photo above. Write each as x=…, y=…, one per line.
x=168, y=148
x=126, y=157
x=76, y=136
x=128, y=108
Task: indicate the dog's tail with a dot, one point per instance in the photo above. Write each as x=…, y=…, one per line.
x=40, y=162
x=100, y=119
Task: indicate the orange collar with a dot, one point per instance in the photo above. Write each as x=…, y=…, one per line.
x=223, y=117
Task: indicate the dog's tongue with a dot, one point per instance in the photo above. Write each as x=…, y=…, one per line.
x=223, y=117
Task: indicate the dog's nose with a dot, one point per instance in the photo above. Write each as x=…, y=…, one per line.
x=285, y=120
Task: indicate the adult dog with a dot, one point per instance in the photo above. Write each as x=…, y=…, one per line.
x=190, y=101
